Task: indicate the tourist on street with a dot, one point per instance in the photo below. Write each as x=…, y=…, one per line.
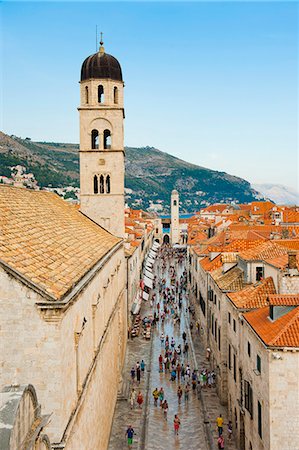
x=142, y=366
x=176, y=424
x=186, y=348
x=179, y=394
x=186, y=392
x=162, y=337
x=133, y=373
x=220, y=442
x=130, y=433
x=165, y=409
x=219, y=421
x=173, y=375
x=140, y=399
x=184, y=336
x=208, y=353
x=138, y=373
x=132, y=398
x=156, y=396
x=161, y=395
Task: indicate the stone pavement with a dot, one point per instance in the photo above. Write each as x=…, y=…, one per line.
x=209, y=398
x=137, y=349
x=198, y=416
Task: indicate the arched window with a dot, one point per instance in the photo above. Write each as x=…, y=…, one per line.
x=174, y=202
x=86, y=95
x=95, y=185
x=94, y=139
x=107, y=139
x=101, y=184
x=108, y=184
x=115, y=95
x=100, y=94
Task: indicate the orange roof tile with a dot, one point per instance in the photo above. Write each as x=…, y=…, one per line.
x=232, y=280
x=209, y=265
x=282, y=332
x=47, y=242
x=284, y=300
x=264, y=251
x=254, y=296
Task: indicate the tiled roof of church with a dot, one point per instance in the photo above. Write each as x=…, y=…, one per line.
x=47, y=242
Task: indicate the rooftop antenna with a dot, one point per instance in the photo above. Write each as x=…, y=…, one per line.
x=96, y=38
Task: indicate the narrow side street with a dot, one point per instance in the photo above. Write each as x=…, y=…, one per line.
x=198, y=407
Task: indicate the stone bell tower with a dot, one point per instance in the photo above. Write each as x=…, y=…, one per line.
x=175, y=223
x=102, y=141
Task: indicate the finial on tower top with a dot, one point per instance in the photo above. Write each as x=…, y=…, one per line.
x=102, y=50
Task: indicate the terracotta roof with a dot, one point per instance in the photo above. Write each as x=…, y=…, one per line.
x=232, y=280
x=229, y=257
x=282, y=332
x=266, y=250
x=48, y=242
x=292, y=244
x=284, y=300
x=254, y=296
x=209, y=265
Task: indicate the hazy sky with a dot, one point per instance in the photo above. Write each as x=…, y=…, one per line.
x=214, y=83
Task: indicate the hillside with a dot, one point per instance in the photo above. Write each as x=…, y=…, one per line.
x=150, y=173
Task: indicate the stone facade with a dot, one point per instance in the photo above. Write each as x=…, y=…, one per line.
x=66, y=352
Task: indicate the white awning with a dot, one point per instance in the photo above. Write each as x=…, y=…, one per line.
x=145, y=295
x=149, y=268
x=148, y=282
x=148, y=274
x=154, y=249
x=152, y=254
x=156, y=244
x=149, y=265
x=150, y=259
x=135, y=308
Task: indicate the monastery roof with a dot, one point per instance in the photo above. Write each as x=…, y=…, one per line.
x=47, y=242
x=253, y=296
x=282, y=332
x=232, y=280
x=264, y=251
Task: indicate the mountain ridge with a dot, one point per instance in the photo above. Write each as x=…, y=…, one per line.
x=151, y=174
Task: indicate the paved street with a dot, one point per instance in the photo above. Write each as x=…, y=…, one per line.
x=198, y=428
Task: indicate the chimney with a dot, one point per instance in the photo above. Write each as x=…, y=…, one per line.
x=292, y=260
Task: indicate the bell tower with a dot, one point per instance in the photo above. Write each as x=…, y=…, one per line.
x=175, y=223
x=102, y=141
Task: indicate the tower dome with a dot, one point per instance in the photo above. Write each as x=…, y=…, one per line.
x=101, y=65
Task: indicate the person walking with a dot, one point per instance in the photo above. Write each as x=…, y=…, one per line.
x=140, y=399
x=130, y=434
x=220, y=442
x=186, y=391
x=176, y=424
x=132, y=398
x=219, y=421
x=133, y=373
x=161, y=395
x=179, y=394
x=138, y=373
x=165, y=409
x=142, y=366
x=184, y=335
x=156, y=396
